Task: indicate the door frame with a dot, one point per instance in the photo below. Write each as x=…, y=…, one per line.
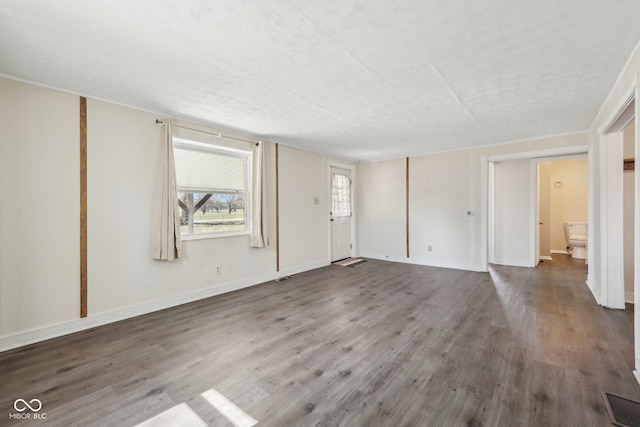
x=352, y=171
x=487, y=212
x=610, y=150
x=611, y=203
x=534, y=256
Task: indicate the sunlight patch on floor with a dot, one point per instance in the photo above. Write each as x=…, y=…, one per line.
x=237, y=416
x=183, y=415
x=179, y=415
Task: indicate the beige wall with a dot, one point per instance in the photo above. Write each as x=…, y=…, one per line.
x=382, y=203
x=442, y=188
x=39, y=207
x=39, y=227
x=569, y=202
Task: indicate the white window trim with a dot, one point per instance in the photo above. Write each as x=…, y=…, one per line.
x=229, y=152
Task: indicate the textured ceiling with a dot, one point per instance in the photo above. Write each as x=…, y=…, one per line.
x=362, y=79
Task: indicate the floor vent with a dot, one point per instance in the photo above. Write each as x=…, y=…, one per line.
x=623, y=412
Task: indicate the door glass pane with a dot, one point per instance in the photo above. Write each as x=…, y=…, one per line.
x=340, y=196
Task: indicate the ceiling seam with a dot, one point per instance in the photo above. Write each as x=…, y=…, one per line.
x=458, y=99
x=349, y=53
x=257, y=77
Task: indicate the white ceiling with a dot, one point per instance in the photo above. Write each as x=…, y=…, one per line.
x=363, y=79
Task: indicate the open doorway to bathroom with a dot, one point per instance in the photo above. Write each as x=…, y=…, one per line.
x=562, y=207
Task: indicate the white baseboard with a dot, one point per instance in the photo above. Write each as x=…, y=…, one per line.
x=637, y=375
x=295, y=270
x=559, y=251
x=628, y=297
x=428, y=263
x=41, y=334
x=546, y=258
x=512, y=263
x=591, y=286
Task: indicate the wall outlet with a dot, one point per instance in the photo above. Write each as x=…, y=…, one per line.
x=429, y=248
x=218, y=269
x=316, y=200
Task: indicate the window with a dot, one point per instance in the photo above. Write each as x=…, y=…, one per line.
x=340, y=195
x=212, y=188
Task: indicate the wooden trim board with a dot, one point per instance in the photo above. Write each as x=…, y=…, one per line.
x=277, y=212
x=83, y=207
x=407, y=206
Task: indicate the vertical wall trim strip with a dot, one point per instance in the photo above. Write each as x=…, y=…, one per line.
x=83, y=207
x=277, y=211
x=407, y=205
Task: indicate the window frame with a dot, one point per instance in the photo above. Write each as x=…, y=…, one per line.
x=245, y=155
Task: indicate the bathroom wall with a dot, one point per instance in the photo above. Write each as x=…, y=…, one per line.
x=568, y=198
x=628, y=211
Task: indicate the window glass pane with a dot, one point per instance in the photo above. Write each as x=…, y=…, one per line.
x=208, y=170
x=212, y=212
x=340, y=195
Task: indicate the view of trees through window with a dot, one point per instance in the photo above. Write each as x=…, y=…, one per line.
x=211, y=212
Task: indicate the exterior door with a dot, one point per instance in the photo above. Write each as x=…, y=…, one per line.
x=340, y=216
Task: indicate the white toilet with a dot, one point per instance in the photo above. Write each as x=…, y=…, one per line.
x=577, y=236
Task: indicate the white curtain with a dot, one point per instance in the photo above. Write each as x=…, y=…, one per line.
x=258, y=209
x=165, y=236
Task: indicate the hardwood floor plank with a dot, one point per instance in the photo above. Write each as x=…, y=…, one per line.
x=382, y=344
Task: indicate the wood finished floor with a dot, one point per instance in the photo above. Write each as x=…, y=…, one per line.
x=381, y=344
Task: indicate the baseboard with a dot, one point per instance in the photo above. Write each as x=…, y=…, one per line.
x=636, y=374
x=41, y=334
x=512, y=263
x=559, y=251
x=546, y=258
x=591, y=286
x=295, y=270
x=628, y=297
x=428, y=263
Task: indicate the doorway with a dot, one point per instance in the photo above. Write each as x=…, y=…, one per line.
x=562, y=197
x=516, y=244
x=341, y=214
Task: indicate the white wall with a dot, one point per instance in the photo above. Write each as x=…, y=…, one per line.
x=442, y=187
x=303, y=176
x=39, y=228
x=382, y=203
x=512, y=242
x=436, y=218
x=627, y=80
x=569, y=202
x=123, y=150
x=39, y=207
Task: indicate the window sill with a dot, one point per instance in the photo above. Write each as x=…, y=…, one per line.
x=187, y=237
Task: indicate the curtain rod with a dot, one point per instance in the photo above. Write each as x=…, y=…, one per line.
x=216, y=134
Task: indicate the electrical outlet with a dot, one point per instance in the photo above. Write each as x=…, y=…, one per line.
x=218, y=269
x=429, y=248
